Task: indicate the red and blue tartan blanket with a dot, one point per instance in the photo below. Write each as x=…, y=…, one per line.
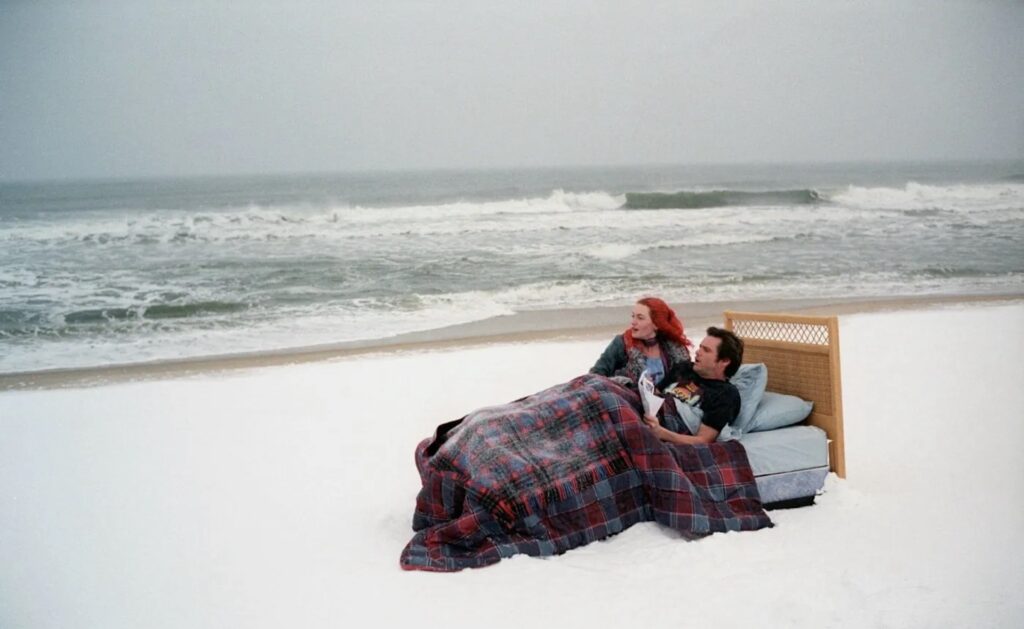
x=562, y=468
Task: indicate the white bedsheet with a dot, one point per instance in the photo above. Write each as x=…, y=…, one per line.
x=787, y=449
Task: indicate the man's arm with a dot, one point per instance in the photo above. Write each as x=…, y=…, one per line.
x=705, y=434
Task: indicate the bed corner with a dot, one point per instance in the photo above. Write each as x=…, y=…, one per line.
x=802, y=356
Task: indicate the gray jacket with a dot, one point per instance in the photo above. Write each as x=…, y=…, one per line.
x=616, y=361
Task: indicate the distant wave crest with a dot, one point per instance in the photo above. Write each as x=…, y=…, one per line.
x=623, y=251
x=256, y=224
x=154, y=311
x=692, y=200
x=15, y=322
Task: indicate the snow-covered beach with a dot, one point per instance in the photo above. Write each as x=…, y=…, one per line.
x=283, y=495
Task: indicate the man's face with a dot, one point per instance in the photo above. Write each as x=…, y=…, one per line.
x=706, y=364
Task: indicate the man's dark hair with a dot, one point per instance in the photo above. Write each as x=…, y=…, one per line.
x=730, y=348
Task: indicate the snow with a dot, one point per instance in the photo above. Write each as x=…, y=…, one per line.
x=282, y=496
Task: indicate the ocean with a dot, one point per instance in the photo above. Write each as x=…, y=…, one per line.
x=110, y=272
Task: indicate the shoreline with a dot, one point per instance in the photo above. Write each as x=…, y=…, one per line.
x=569, y=324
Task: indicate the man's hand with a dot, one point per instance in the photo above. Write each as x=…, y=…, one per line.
x=705, y=435
x=659, y=431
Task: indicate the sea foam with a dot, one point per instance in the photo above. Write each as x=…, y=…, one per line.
x=915, y=196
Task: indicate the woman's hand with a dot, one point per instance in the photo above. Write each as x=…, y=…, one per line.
x=652, y=422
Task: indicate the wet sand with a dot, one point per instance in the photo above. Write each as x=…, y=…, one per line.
x=522, y=327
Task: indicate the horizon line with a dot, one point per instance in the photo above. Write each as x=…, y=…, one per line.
x=507, y=168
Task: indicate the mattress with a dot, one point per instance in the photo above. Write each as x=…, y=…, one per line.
x=789, y=463
x=789, y=488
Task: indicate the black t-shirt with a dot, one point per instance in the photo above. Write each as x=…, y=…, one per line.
x=718, y=399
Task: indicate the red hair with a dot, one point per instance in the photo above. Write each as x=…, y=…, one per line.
x=668, y=325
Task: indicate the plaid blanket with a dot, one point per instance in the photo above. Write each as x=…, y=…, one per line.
x=562, y=468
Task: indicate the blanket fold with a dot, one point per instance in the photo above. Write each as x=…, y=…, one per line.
x=562, y=468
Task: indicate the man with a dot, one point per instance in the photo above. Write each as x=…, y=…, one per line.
x=704, y=384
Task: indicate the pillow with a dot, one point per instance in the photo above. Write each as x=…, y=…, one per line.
x=750, y=380
x=778, y=410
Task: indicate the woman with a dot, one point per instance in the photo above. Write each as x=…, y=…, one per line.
x=654, y=341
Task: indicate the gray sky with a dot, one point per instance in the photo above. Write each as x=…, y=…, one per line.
x=110, y=89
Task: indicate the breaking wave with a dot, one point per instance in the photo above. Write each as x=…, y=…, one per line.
x=692, y=200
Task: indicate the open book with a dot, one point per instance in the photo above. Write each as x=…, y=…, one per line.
x=691, y=414
x=650, y=398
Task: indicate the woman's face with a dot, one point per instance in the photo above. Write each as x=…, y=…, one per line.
x=641, y=324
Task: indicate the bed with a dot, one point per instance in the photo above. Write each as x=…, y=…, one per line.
x=801, y=355
x=574, y=463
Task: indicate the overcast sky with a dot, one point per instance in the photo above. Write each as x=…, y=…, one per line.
x=113, y=89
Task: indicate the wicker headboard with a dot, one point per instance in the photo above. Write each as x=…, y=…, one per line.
x=802, y=356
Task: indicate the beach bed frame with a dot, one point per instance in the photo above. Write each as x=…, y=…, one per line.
x=802, y=357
